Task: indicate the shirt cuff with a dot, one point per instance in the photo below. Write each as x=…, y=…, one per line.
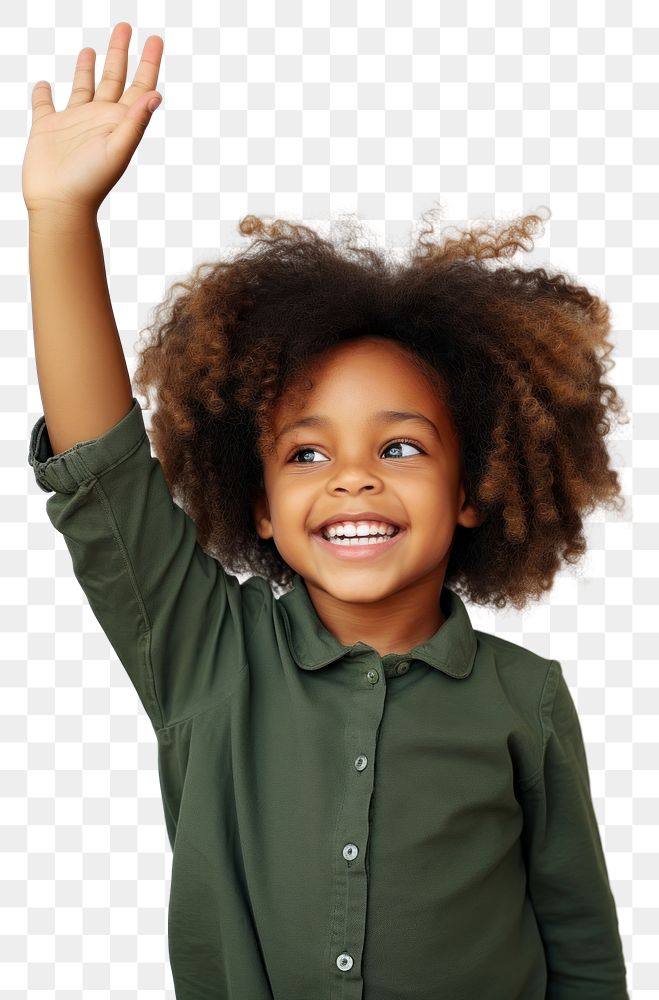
x=84, y=461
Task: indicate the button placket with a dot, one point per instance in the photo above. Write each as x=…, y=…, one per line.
x=362, y=725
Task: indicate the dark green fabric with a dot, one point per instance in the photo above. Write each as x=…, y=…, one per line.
x=343, y=825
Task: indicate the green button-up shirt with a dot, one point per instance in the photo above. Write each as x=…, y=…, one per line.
x=344, y=825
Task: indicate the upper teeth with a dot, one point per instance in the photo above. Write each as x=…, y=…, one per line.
x=351, y=529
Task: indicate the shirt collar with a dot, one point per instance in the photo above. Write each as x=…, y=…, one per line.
x=452, y=649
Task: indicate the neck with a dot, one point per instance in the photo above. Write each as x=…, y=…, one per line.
x=395, y=624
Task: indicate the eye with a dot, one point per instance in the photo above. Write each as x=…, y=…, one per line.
x=307, y=456
x=399, y=446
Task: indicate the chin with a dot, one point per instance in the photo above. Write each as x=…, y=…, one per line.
x=358, y=591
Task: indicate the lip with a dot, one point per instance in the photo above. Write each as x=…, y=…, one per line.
x=364, y=515
x=358, y=551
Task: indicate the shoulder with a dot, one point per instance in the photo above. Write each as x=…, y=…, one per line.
x=512, y=653
x=256, y=596
x=525, y=683
x=522, y=673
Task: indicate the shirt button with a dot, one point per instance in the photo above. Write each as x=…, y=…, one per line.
x=373, y=676
x=344, y=962
x=350, y=851
x=361, y=762
x=403, y=667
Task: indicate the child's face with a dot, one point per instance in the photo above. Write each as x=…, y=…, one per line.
x=346, y=459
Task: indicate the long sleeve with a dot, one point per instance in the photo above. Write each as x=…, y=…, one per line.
x=567, y=877
x=171, y=613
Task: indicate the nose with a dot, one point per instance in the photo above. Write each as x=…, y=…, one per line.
x=353, y=478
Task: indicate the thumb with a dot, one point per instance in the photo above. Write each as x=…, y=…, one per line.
x=140, y=113
x=127, y=135
x=153, y=102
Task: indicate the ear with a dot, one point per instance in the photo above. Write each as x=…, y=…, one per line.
x=262, y=517
x=469, y=516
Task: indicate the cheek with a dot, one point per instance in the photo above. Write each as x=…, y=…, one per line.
x=279, y=498
x=291, y=502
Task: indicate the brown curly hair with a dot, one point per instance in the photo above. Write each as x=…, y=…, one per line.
x=521, y=355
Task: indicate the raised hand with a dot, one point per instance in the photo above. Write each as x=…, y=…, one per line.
x=76, y=156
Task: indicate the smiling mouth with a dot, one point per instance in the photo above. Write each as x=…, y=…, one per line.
x=361, y=532
x=376, y=538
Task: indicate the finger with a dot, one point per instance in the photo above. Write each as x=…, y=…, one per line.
x=146, y=75
x=42, y=100
x=82, y=89
x=113, y=79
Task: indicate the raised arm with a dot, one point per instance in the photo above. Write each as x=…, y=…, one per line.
x=171, y=613
x=72, y=160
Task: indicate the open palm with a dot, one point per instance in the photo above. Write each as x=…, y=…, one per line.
x=74, y=157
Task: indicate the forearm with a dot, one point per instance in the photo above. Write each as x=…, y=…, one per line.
x=83, y=379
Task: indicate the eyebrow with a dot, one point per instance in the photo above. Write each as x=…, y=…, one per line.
x=382, y=417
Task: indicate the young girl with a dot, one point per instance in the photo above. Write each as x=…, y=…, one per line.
x=365, y=796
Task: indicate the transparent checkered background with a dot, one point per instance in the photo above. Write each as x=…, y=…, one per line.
x=306, y=111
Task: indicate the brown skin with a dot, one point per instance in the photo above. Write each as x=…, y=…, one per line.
x=389, y=598
x=73, y=159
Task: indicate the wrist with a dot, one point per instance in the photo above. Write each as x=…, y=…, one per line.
x=54, y=217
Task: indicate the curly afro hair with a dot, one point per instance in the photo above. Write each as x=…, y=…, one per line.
x=521, y=355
